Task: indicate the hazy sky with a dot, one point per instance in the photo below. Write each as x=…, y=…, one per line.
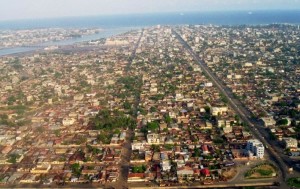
x=23, y=9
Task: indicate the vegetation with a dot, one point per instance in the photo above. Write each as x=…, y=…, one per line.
x=94, y=150
x=104, y=137
x=197, y=152
x=139, y=169
x=110, y=122
x=263, y=170
x=107, y=120
x=294, y=182
x=12, y=158
x=156, y=97
x=218, y=141
x=224, y=98
x=152, y=126
x=282, y=122
x=169, y=146
x=76, y=169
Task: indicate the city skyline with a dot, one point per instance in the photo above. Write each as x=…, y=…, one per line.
x=32, y=9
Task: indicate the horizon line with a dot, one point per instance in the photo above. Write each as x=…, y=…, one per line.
x=146, y=13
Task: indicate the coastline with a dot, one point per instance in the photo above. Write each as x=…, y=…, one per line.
x=37, y=47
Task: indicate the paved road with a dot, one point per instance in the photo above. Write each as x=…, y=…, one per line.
x=220, y=185
x=126, y=149
x=240, y=110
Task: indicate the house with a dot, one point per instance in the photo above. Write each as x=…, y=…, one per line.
x=136, y=177
x=205, y=172
x=30, y=178
x=204, y=149
x=185, y=171
x=135, y=145
x=41, y=169
x=78, y=97
x=166, y=165
x=153, y=138
x=68, y=121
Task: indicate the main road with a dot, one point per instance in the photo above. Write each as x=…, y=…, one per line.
x=126, y=147
x=239, y=108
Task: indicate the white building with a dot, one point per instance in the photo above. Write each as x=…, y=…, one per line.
x=259, y=150
x=153, y=138
x=68, y=121
x=215, y=111
x=290, y=142
x=256, y=147
x=268, y=121
x=166, y=165
x=135, y=145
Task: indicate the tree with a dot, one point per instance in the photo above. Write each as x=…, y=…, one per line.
x=155, y=148
x=168, y=119
x=76, y=169
x=282, y=122
x=153, y=109
x=11, y=100
x=104, y=138
x=57, y=75
x=12, y=158
x=126, y=105
x=207, y=109
x=139, y=169
x=152, y=126
x=197, y=152
x=57, y=132
x=169, y=146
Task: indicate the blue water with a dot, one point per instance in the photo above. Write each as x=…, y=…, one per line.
x=141, y=20
x=117, y=24
x=102, y=34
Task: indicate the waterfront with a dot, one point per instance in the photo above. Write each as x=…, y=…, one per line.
x=102, y=34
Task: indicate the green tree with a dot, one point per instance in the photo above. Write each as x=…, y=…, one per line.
x=282, y=122
x=11, y=99
x=76, y=169
x=152, y=126
x=168, y=119
x=12, y=158
x=153, y=109
x=126, y=105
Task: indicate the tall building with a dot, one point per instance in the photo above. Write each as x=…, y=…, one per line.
x=256, y=147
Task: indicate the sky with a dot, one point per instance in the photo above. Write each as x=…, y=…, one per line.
x=36, y=9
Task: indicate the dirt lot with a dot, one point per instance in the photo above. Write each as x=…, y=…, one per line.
x=228, y=174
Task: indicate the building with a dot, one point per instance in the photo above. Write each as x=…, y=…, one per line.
x=215, y=111
x=268, y=121
x=68, y=121
x=290, y=142
x=153, y=138
x=256, y=147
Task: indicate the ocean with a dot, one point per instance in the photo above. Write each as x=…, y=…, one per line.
x=117, y=24
x=143, y=20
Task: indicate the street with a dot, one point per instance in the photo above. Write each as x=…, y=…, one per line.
x=241, y=111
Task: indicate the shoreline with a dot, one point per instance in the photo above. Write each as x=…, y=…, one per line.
x=63, y=43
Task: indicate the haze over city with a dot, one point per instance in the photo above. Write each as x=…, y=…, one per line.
x=37, y=9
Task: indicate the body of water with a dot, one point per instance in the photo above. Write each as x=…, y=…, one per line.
x=137, y=20
x=102, y=34
x=113, y=25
